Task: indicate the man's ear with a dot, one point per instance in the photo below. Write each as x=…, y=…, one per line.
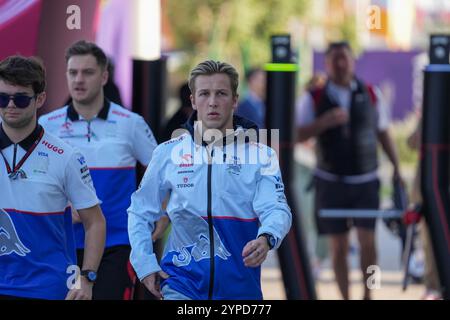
x=235, y=102
x=40, y=99
x=193, y=102
x=105, y=75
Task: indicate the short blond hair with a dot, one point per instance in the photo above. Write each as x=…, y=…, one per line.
x=210, y=67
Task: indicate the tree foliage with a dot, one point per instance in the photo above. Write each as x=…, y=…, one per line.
x=237, y=31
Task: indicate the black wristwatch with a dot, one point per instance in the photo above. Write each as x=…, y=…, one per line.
x=90, y=275
x=271, y=241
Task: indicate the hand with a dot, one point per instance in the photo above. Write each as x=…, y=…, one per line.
x=334, y=117
x=83, y=293
x=151, y=282
x=160, y=228
x=255, y=252
x=396, y=177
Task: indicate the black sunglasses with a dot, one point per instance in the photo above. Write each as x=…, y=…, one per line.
x=20, y=100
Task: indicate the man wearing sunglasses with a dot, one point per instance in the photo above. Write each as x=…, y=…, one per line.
x=113, y=140
x=39, y=176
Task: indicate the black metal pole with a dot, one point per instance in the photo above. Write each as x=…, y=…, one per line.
x=435, y=155
x=149, y=92
x=292, y=254
x=149, y=100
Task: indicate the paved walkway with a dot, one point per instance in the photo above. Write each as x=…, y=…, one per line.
x=326, y=289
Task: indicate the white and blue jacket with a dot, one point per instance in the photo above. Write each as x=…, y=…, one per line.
x=112, y=143
x=220, y=199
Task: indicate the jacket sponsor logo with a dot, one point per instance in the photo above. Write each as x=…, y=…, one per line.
x=186, y=161
x=53, y=147
x=185, y=171
x=66, y=129
x=57, y=116
x=81, y=160
x=67, y=125
x=281, y=198
x=173, y=140
x=86, y=176
x=120, y=114
x=185, y=184
x=41, y=163
x=199, y=248
x=279, y=186
x=148, y=133
x=9, y=239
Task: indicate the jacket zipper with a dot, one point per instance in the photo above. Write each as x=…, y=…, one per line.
x=89, y=131
x=211, y=229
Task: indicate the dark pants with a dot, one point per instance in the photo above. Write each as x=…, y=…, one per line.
x=338, y=195
x=115, y=277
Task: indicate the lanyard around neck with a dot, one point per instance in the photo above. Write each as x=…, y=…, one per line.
x=13, y=173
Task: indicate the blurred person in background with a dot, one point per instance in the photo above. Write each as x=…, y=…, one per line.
x=253, y=107
x=347, y=118
x=113, y=139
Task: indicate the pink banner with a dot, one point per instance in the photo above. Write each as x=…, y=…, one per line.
x=19, y=27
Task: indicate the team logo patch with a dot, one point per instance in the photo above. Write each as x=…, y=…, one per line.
x=9, y=239
x=235, y=166
x=199, y=246
x=19, y=174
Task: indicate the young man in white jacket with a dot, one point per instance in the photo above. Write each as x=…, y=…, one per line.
x=226, y=200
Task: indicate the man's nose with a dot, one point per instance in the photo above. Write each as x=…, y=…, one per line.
x=342, y=64
x=11, y=103
x=79, y=77
x=212, y=100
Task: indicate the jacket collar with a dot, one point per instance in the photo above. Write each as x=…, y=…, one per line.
x=25, y=144
x=73, y=115
x=240, y=125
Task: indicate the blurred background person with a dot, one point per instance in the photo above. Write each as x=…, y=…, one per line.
x=113, y=140
x=252, y=107
x=182, y=115
x=348, y=118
